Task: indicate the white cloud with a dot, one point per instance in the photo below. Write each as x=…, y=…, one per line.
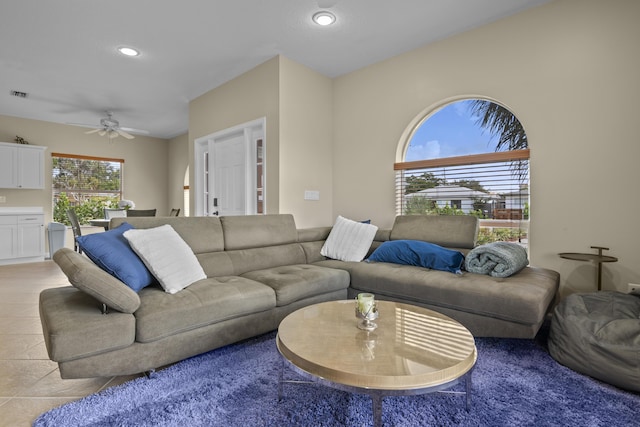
x=432, y=149
x=461, y=108
x=426, y=150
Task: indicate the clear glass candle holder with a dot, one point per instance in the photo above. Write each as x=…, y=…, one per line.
x=367, y=311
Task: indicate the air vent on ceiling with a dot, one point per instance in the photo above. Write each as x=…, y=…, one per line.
x=18, y=94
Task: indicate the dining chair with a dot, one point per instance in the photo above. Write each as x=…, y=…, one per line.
x=114, y=213
x=174, y=212
x=75, y=226
x=141, y=212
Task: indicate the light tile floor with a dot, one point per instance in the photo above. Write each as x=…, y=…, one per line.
x=30, y=383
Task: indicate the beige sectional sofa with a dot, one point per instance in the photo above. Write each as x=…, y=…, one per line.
x=512, y=307
x=259, y=269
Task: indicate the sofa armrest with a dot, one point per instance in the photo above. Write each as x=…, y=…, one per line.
x=91, y=279
x=74, y=327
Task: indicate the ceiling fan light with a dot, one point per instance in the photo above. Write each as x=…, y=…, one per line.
x=113, y=134
x=324, y=18
x=102, y=132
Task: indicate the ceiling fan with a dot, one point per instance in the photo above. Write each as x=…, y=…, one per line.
x=110, y=127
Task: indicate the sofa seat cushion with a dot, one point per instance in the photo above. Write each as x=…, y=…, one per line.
x=205, y=302
x=521, y=298
x=292, y=283
x=74, y=326
x=238, y=262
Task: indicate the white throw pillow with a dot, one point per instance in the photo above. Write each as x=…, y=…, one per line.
x=349, y=240
x=167, y=256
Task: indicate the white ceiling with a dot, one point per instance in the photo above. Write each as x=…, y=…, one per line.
x=63, y=52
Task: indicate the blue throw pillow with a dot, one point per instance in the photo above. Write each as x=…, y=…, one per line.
x=111, y=252
x=419, y=253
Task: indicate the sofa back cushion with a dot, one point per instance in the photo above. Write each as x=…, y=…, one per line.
x=233, y=245
x=450, y=231
x=202, y=233
x=257, y=231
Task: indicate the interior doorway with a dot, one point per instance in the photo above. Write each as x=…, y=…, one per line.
x=229, y=182
x=229, y=171
x=186, y=205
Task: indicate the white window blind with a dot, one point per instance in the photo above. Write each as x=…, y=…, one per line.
x=86, y=176
x=492, y=186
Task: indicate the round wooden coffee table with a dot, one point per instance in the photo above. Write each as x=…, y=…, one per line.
x=413, y=351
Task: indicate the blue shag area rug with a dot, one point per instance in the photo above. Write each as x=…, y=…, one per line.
x=515, y=383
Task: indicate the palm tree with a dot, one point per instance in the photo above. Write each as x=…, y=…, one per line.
x=501, y=123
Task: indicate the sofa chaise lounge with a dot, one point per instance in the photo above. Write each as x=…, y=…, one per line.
x=258, y=270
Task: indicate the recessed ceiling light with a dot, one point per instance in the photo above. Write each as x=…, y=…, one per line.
x=128, y=51
x=324, y=18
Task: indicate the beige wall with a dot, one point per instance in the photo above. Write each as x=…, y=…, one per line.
x=145, y=167
x=296, y=102
x=306, y=134
x=251, y=96
x=569, y=71
x=178, y=164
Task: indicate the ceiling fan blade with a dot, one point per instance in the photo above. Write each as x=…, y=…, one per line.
x=110, y=127
x=125, y=134
x=82, y=125
x=140, y=131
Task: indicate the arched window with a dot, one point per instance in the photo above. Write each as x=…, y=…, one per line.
x=469, y=157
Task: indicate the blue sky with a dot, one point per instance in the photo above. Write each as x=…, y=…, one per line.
x=451, y=131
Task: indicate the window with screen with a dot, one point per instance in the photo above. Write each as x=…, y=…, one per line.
x=86, y=184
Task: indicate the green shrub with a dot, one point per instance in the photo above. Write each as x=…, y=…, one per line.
x=424, y=206
x=488, y=235
x=91, y=208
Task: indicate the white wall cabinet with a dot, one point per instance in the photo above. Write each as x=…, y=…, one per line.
x=21, y=235
x=21, y=166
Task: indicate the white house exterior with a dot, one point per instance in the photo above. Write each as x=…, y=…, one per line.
x=454, y=196
x=516, y=199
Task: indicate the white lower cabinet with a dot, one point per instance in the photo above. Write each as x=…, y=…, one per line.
x=21, y=237
x=8, y=240
x=30, y=235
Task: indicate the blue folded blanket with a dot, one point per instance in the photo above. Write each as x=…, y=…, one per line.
x=418, y=253
x=497, y=259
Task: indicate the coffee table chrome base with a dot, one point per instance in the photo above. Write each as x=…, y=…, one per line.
x=376, y=395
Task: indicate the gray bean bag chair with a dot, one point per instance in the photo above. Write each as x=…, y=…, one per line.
x=598, y=334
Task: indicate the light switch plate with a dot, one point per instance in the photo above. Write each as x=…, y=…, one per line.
x=311, y=195
x=3, y=199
